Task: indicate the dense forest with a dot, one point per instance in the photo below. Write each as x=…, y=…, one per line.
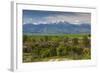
x=37, y=48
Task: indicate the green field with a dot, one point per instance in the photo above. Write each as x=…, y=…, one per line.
x=37, y=48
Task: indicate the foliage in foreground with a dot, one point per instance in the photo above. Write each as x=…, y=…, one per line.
x=45, y=48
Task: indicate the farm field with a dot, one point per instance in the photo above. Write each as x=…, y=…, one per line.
x=41, y=48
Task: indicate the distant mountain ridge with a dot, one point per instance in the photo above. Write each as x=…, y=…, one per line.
x=57, y=28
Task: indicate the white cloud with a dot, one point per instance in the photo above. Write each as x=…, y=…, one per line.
x=77, y=18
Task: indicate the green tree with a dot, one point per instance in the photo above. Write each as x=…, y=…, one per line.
x=25, y=37
x=61, y=50
x=86, y=42
x=75, y=41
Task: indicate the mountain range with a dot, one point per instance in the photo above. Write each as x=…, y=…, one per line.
x=57, y=28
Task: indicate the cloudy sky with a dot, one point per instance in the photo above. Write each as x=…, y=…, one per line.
x=47, y=17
